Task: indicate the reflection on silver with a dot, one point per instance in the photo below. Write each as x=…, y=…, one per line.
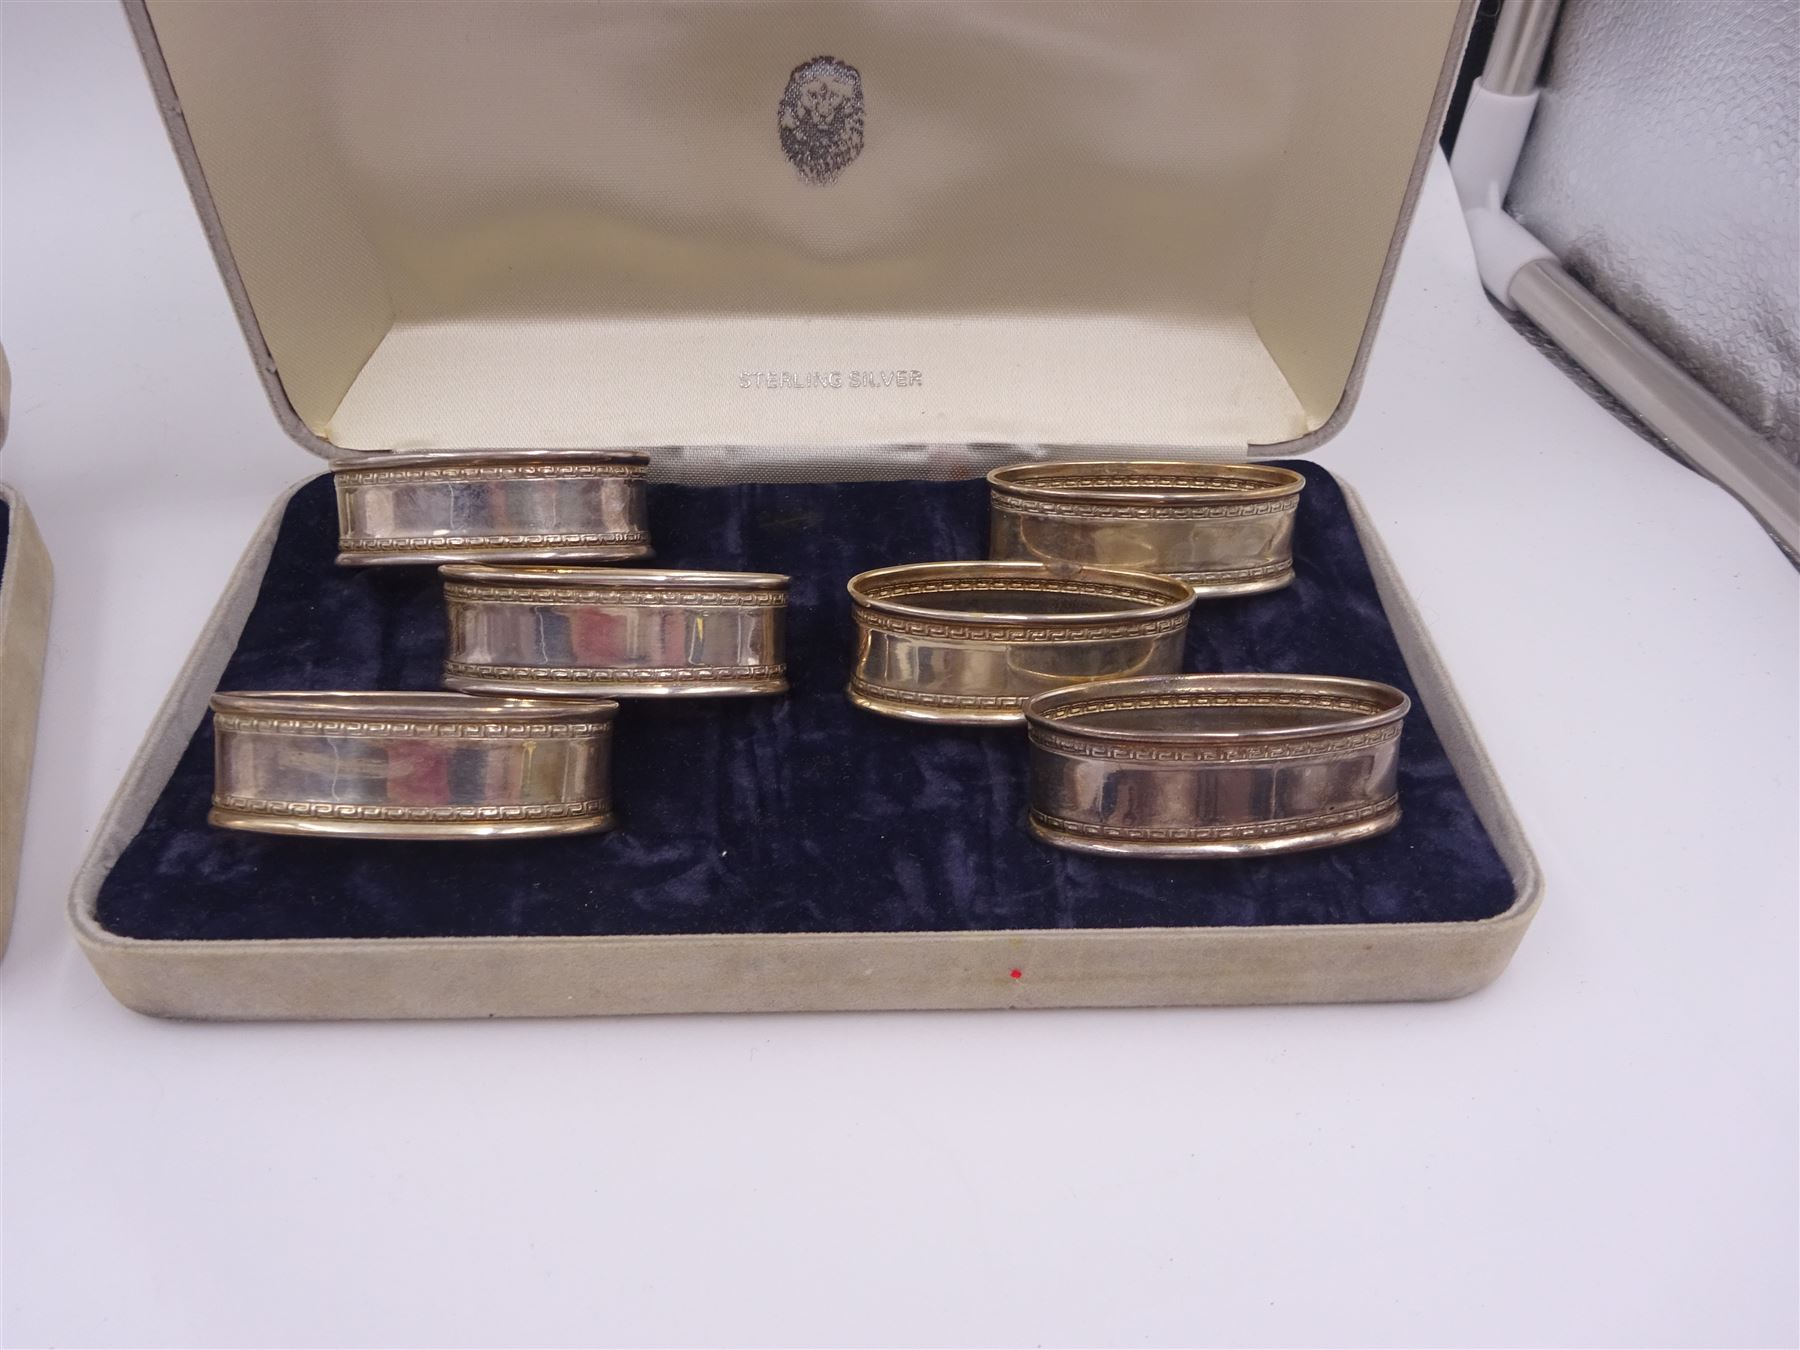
x=1215, y=765
x=969, y=642
x=617, y=632
x=437, y=506
x=411, y=765
x=1225, y=529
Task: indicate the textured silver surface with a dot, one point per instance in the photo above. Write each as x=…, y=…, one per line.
x=1662, y=170
x=1695, y=424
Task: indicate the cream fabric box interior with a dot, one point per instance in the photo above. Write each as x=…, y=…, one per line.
x=1165, y=225
x=24, y=634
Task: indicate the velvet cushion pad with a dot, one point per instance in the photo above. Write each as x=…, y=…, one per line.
x=797, y=813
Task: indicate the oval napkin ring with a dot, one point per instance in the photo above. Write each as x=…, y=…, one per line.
x=410, y=765
x=969, y=642
x=1215, y=765
x=616, y=632
x=1225, y=529
x=437, y=506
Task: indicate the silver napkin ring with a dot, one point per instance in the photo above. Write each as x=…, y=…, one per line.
x=969, y=642
x=1215, y=765
x=438, y=506
x=410, y=765
x=616, y=632
x=1226, y=529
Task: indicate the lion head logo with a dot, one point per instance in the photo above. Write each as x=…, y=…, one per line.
x=821, y=118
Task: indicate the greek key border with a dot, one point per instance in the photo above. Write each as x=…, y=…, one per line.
x=1221, y=574
x=923, y=700
x=614, y=675
x=1195, y=479
x=635, y=597
x=592, y=806
x=1248, y=753
x=478, y=473
x=975, y=631
x=359, y=730
x=1094, y=590
x=1021, y=506
x=419, y=543
x=1204, y=834
x=1223, y=699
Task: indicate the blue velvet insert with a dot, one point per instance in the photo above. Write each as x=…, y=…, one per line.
x=795, y=814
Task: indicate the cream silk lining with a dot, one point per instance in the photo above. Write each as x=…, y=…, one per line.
x=749, y=381
x=576, y=224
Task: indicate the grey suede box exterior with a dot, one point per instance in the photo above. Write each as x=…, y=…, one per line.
x=24, y=634
x=574, y=976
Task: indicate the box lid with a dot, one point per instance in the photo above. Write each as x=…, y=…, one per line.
x=825, y=226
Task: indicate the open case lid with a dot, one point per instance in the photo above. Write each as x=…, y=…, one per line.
x=831, y=226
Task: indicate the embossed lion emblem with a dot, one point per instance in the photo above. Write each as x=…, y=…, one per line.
x=821, y=118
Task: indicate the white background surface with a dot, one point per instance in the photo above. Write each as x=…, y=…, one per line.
x=1599, y=1148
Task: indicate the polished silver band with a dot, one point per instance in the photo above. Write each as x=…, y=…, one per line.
x=615, y=632
x=1225, y=529
x=434, y=506
x=1215, y=765
x=410, y=765
x=970, y=642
